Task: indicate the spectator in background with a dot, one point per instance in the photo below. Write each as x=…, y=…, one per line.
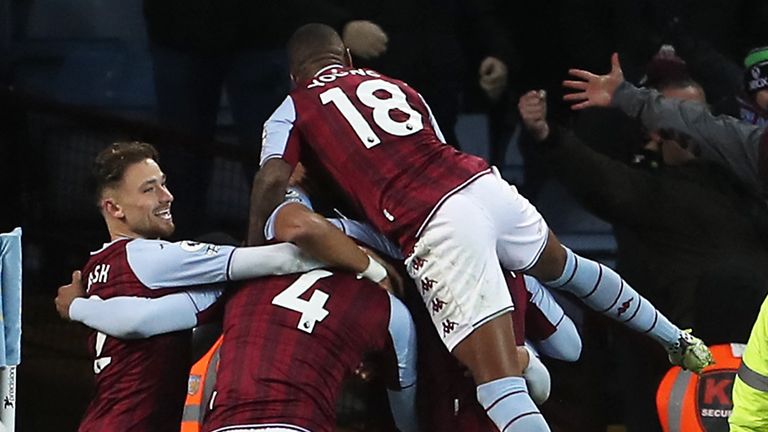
x=727, y=140
x=530, y=63
x=424, y=48
x=200, y=48
x=753, y=104
x=680, y=223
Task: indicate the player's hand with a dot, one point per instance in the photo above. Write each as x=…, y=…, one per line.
x=365, y=39
x=393, y=283
x=533, y=111
x=493, y=77
x=594, y=90
x=67, y=293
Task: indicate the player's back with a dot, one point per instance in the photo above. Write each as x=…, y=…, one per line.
x=375, y=136
x=140, y=384
x=289, y=341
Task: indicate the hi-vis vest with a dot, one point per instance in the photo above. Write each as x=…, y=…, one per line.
x=687, y=402
x=202, y=378
x=750, y=391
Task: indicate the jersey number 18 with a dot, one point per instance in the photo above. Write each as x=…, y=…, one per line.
x=366, y=93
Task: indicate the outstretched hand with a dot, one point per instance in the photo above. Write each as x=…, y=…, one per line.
x=533, y=111
x=67, y=293
x=594, y=90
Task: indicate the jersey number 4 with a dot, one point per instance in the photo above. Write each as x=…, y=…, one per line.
x=312, y=311
x=367, y=93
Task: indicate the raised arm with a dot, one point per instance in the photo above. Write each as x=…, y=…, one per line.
x=723, y=138
x=610, y=189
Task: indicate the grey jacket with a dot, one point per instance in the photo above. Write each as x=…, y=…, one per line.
x=724, y=139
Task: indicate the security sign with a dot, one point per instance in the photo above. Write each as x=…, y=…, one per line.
x=713, y=399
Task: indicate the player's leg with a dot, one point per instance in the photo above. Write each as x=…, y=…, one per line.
x=603, y=290
x=491, y=355
x=457, y=273
x=547, y=326
x=524, y=243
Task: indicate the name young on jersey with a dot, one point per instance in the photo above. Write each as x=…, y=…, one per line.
x=333, y=74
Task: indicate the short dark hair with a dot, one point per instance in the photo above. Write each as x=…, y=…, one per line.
x=110, y=164
x=312, y=42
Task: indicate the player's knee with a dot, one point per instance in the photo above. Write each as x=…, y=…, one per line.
x=571, y=351
x=565, y=344
x=551, y=263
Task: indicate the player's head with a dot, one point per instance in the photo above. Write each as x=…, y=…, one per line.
x=312, y=47
x=131, y=192
x=756, y=76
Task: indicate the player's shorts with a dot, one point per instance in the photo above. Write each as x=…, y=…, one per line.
x=455, y=261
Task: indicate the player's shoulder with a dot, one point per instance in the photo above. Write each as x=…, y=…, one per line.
x=111, y=247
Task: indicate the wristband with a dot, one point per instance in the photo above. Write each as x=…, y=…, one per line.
x=374, y=272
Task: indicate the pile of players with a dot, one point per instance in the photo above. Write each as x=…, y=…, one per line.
x=304, y=304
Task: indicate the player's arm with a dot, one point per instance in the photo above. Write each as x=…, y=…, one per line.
x=368, y=235
x=402, y=401
x=159, y=264
x=315, y=235
x=139, y=317
x=267, y=193
x=134, y=317
x=279, y=156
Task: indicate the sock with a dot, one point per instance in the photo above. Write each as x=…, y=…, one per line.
x=603, y=290
x=508, y=405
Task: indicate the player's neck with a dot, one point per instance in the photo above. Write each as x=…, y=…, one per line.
x=119, y=231
x=321, y=64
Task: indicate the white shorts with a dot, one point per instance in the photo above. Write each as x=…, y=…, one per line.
x=455, y=261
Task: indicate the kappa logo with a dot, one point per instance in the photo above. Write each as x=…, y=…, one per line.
x=625, y=306
x=7, y=403
x=448, y=327
x=437, y=305
x=755, y=72
x=418, y=263
x=427, y=284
